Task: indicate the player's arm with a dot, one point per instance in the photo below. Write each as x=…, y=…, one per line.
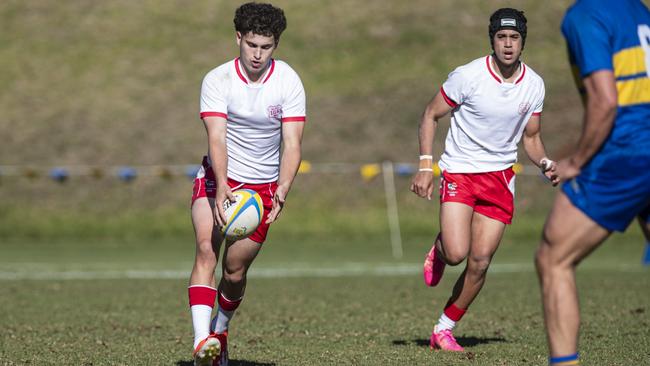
x=601, y=105
x=289, y=164
x=534, y=147
x=437, y=108
x=216, y=129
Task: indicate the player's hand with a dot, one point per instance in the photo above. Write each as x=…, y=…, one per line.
x=223, y=193
x=566, y=169
x=549, y=169
x=278, y=202
x=422, y=184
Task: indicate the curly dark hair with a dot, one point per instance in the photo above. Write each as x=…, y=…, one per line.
x=260, y=18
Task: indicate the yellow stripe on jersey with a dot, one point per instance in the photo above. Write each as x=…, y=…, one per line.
x=634, y=91
x=630, y=61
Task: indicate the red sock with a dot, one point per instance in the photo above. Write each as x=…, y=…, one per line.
x=201, y=304
x=227, y=305
x=201, y=295
x=454, y=313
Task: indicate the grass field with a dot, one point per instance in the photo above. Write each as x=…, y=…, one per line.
x=325, y=292
x=94, y=271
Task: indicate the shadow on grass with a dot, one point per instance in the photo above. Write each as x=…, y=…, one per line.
x=463, y=341
x=231, y=362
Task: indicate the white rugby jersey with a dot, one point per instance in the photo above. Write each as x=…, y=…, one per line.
x=254, y=113
x=489, y=116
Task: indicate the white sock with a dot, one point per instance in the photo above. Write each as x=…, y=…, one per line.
x=444, y=323
x=220, y=322
x=201, y=322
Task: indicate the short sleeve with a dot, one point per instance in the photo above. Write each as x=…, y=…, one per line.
x=539, y=103
x=213, y=96
x=454, y=89
x=588, y=41
x=293, y=107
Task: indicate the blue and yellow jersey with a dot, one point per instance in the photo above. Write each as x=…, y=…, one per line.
x=615, y=35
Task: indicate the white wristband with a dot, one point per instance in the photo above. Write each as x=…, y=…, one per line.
x=425, y=170
x=426, y=157
x=545, y=163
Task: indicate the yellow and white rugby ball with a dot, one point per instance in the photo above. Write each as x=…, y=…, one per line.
x=242, y=216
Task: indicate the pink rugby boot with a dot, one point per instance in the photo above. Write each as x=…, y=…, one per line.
x=445, y=341
x=434, y=266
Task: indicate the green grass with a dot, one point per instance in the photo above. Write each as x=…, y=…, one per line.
x=316, y=321
x=326, y=301
x=112, y=83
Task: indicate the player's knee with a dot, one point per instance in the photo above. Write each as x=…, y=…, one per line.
x=234, y=277
x=478, y=265
x=454, y=256
x=205, y=256
x=545, y=259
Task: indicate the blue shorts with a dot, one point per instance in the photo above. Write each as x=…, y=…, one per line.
x=613, y=188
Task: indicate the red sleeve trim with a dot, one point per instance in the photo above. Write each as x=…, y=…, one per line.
x=214, y=114
x=294, y=119
x=537, y=113
x=449, y=101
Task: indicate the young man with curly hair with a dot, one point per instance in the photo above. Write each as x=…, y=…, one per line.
x=250, y=106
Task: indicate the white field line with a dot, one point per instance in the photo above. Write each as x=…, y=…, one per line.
x=344, y=270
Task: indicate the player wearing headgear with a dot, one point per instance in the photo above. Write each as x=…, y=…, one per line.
x=495, y=101
x=608, y=173
x=250, y=106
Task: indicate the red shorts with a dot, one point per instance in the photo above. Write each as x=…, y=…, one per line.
x=491, y=194
x=206, y=186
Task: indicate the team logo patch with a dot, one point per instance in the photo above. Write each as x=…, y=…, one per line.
x=451, y=189
x=274, y=111
x=524, y=107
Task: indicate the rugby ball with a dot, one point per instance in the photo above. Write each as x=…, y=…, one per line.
x=243, y=216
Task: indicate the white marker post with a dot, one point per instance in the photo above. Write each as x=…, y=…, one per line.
x=391, y=205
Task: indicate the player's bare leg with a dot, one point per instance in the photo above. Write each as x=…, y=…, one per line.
x=486, y=236
x=201, y=291
x=208, y=241
x=457, y=220
x=455, y=224
x=237, y=259
x=569, y=236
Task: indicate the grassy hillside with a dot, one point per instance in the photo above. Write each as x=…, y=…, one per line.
x=118, y=82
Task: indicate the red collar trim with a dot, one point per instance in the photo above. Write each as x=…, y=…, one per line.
x=497, y=78
x=489, y=67
x=523, y=72
x=271, y=68
x=243, y=78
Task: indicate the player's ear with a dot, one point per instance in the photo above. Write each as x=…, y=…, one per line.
x=238, y=36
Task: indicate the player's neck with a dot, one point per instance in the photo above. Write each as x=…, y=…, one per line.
x=508, y=73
